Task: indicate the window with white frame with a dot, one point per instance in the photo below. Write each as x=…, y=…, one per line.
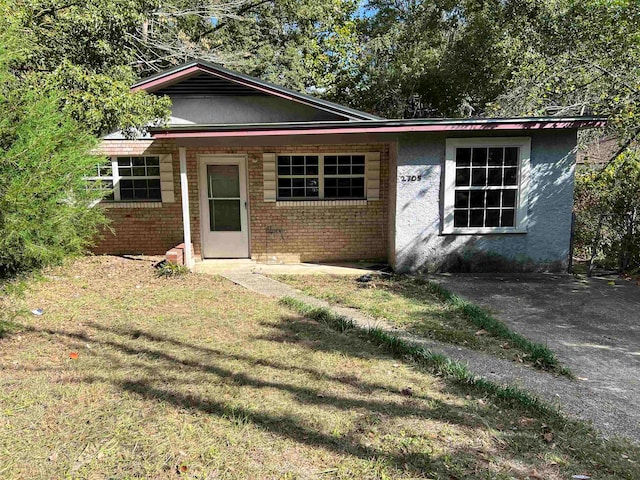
x=132, y=178
x=486, y=185
x=103, y=179
x=321, y=176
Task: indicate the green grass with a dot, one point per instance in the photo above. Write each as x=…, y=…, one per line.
x=196, y=377
x=435, y=363
x=425, y=308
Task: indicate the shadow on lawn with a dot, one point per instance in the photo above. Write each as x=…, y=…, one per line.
x=169, y=370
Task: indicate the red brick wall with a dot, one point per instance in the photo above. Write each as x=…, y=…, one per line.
x=142, y=230
x=318, y=233
x=308, y=233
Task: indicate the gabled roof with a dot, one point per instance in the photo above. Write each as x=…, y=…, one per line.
x=167, y=78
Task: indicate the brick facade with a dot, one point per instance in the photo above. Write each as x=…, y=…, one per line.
x=279, y=231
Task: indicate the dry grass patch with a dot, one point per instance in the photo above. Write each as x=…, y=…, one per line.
x=194, y=377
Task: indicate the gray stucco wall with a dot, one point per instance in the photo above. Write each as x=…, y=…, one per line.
x=242, y=109
x=419, y=205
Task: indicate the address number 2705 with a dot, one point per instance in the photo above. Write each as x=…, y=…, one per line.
x=410, y=178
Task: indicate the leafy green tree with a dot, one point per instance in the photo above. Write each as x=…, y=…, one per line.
x=438, y=58
x=608, y=207
x=583, y=57
x=83, y=52
x=45, y=203
x=295, y=43
x=91, y=52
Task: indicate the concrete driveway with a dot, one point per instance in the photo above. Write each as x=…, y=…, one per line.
x=594, y=328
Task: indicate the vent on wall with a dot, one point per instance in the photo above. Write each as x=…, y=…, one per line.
x=205, y=84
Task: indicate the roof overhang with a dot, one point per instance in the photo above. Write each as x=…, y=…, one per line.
x=183, y=72
x=377, y=126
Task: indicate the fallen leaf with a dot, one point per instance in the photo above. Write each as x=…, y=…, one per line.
x=53, y=457
x=548, y=437
x=481, y=332
x=526, y=421
x=73, y=355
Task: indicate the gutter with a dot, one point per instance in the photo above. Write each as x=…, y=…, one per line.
x=377, y=126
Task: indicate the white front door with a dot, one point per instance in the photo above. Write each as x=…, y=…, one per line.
x=223, y=206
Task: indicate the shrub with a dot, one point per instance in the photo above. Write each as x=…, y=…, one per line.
x=168, y=269
x=45, y=202
x=607, y=207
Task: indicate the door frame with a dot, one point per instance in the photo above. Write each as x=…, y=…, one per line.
x=218, y=158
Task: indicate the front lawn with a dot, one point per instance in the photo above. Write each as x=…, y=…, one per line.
x=126, y=375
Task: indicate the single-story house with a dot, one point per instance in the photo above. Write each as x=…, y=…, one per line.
x=248, y=169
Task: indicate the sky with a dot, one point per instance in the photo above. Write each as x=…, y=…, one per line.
x=363, y=11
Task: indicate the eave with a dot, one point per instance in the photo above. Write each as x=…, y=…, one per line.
x=377, y=126
x=187, y=70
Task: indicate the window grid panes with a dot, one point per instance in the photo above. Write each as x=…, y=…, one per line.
x=344, y=176
x=486, y=187
x=298, y=176
x=139, y=166
x=102, y=180
x=139, y=178
x=330, y=176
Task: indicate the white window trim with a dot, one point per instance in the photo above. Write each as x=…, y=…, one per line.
x=321, y=177
x=524, y=173
x=116, y=177
x=104, y=178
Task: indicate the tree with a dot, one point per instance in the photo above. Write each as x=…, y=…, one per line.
x=608, y=208
x=45, y=202
x=81, y=51
x=439, y=58
x=296, y=43
x=584, y=58
x=90, y=53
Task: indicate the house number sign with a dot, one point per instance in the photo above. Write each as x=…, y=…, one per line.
x=410, y=178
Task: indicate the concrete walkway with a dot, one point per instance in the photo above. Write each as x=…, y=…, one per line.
x=576, y=398
x=243, y=266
